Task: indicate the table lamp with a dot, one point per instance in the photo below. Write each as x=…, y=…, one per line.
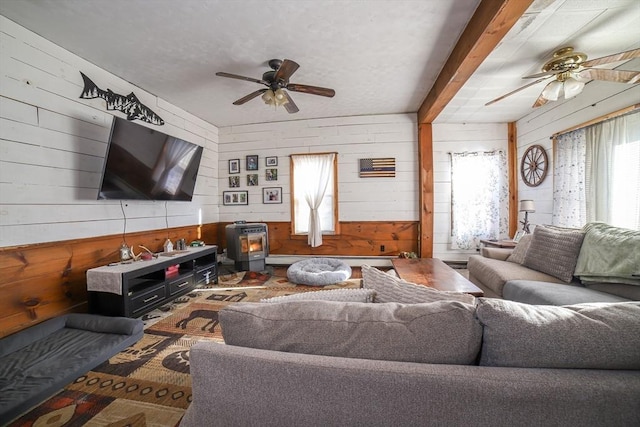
x=526, y=206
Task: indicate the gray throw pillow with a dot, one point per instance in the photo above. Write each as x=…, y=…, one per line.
x=554, y=251
x=587, y=336
x=344, y=295
x=520, y=251
x=440, y=332
x=390, y=288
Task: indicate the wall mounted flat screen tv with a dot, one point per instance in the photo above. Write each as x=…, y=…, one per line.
x=144, y=163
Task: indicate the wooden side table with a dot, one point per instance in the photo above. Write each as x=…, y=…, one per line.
x=499, y=243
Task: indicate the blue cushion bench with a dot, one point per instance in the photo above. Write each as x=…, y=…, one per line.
x=37, y=362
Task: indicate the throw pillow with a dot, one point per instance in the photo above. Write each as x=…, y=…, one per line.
x=438, y=332
x=344, y=295
x=390, y=288
x=520, y=251
x=554, y=251
x=587, y=336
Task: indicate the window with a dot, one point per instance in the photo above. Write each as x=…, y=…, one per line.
x=314, y=195
x=597, y=174
x=479, y=198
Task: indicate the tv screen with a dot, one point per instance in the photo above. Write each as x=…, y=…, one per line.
x=147, y=164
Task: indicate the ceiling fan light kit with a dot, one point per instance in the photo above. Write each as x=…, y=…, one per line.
x=570, y=70
x=565, y=86
x=277, y=81
x=277, y=98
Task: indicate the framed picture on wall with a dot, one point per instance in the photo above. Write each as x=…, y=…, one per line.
x=271, y=174
x=234, y=181
x=271, y=161
x=252, y=179
x=252, y=162
x=235, y=198
x=272, y=195
x=234, y=166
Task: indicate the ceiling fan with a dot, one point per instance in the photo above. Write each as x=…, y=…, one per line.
x=570, y=71
x=276, y=82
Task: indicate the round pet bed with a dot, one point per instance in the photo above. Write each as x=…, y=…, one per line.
x=318, y=271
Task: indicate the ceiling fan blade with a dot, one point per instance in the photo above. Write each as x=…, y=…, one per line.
x=621, y=56
x=539, y=102
x=250, y=96
x=286, y=70
x=515, y=91
x=290, y=106
x=619, y=76
x=313, y=90
x=235, y=76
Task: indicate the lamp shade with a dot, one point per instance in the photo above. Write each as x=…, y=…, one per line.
x=572, y=87
x=527, y=206
x=552, y=91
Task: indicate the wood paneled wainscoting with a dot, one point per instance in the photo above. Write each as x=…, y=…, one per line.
x=44, y=280
x=356, y=238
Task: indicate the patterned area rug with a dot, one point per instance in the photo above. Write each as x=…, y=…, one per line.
x=148, y=384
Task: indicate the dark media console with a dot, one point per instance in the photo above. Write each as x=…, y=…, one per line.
x=134, y=289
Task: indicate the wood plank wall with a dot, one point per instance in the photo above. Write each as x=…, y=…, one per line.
x=357, y=238
x=45, y=280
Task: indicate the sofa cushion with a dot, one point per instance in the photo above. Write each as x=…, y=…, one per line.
x=554, y=251
x=493, y=274
x=390, y=288
x=545, y=293
x=520, y=250
x=609, y=254
x=104, y=324
x=345, y=295
x=587, y=336
x=631, y=292
x=438, y=332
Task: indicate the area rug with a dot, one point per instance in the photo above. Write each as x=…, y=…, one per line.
x=148, y=384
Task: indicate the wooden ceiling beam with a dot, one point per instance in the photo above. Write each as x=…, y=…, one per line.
x=488, y=25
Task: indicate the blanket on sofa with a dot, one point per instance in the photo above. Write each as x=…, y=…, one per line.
x=609, y=254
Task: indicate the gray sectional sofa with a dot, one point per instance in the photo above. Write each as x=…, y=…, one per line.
x=494, y=362
x=598, y=263
x=39, y=361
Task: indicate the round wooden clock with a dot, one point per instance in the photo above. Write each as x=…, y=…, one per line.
x=534, y=165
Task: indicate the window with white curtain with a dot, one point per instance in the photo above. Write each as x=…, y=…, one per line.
x=314, y=197
x=479, y=198
x=597, y=174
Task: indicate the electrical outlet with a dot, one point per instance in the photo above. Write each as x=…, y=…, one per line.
x=381, y=248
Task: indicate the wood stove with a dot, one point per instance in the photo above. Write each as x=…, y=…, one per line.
x=247, y=245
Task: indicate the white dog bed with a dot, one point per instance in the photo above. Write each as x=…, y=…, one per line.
x=318, y=271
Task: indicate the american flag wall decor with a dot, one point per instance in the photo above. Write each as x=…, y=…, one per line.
x=378, y=168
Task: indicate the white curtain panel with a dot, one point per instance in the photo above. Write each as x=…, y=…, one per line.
x=569, y=190
x=320, y=167
x=613, y=171
x=479, y=198
x=597, y=174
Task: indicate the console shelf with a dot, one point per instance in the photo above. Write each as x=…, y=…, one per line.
x=134, y=289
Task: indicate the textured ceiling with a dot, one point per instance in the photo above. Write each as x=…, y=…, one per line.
x=380, y=56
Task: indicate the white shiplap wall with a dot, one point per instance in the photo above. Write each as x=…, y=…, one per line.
x=597, y=99
x=353, y=138
x=53, y=144
x=457, y=138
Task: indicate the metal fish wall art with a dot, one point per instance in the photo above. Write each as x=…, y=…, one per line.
x=130, y=104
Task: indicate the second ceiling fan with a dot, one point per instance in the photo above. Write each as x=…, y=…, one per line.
x=277, y=84
x=570, y=70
